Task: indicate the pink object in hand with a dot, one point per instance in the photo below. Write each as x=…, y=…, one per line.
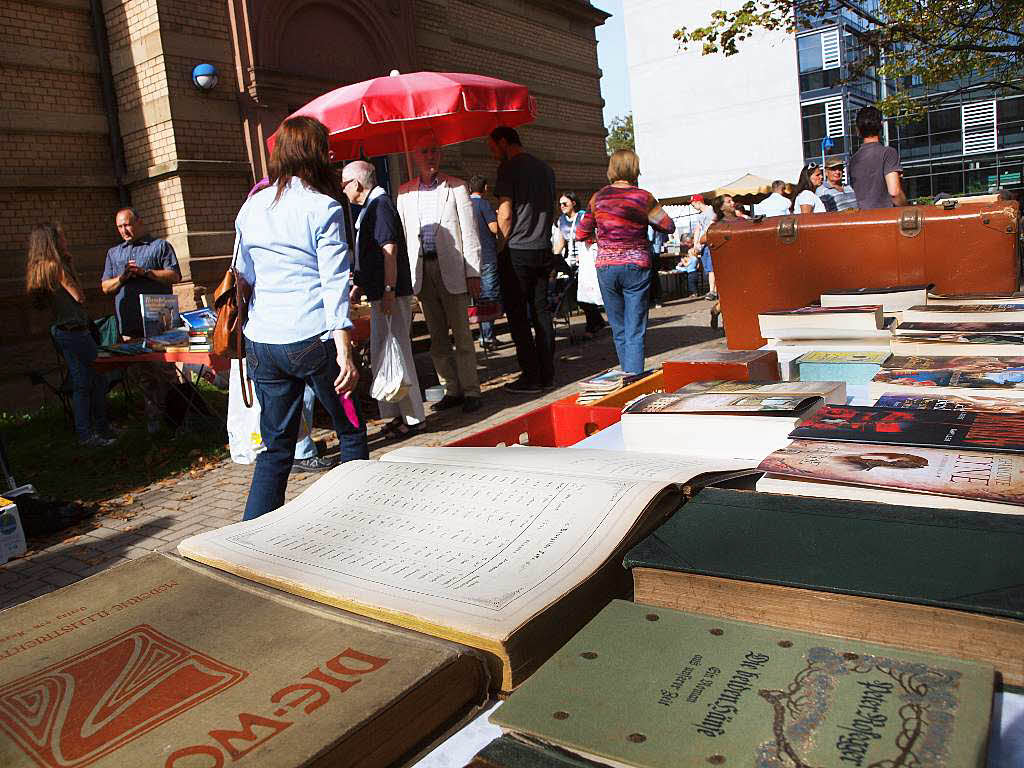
x=350, y=409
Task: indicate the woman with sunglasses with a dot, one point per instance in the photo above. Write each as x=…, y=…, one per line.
x=579, y=257
x=805, y=199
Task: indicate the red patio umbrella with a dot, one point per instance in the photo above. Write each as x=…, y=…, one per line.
x=391, y=114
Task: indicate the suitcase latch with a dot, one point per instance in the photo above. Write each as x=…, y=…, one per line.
x=787, y=230
x=911, y=222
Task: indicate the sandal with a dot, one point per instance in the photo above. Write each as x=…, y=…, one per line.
x=398, y=428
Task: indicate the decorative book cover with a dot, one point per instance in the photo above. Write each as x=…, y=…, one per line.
x=612, y=379
x=159, y=662
x=159, y=313
x=1000, y=329
x=168, y=340
x=995, y=373
x=952, y=403
x=843, y=358
x=957, y=337
x=967, y=363
x=790, y=388
x=963, y=430
x=200, y=319
x=870, y=549
x=723, y=404
x=657, y=688
x=950, y=308
x=985, y=476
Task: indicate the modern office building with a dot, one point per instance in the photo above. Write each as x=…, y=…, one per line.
x=702, y=121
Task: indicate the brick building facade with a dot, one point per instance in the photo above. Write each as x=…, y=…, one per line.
x=96, y=115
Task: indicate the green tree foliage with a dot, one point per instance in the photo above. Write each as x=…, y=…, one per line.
x=925, y=42
x=620, y=133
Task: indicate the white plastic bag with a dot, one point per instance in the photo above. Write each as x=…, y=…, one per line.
x=588, y=290
x=391, y=383
x=244, y=437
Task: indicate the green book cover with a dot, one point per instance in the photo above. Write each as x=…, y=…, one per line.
x=852, y=547
x=655, y=688
x=511, y=752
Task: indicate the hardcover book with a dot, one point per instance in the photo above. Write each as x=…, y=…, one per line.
x=159, y=313
x=507, y=550
x=722, y=365
x=509, y=752
x=848, y=367
x=977, y=480
x=937, y=428
x=858, y=570
x=912, y=329
x=952, y=403
x=957, y=375
x=830, y=391
x=200, y=319
x=164, y=662
x=965, y=313
x=722, y=404
x=822, y=322
x=958, y=344
x=657, y=688
x=892, y=298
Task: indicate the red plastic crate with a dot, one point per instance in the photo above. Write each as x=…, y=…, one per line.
x=557, y=425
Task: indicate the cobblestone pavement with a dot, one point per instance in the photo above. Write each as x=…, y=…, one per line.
x=159, y=516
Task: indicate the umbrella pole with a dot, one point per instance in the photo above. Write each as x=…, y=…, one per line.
x=408, y=160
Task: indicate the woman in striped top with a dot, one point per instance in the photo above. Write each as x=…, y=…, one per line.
x=618, y=216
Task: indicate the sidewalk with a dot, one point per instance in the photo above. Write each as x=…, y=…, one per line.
x=156, y=518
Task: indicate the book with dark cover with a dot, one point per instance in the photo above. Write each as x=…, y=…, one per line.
x=657, y=688
x=959, y=429
x=164, y=662
x=925, y=328
x=952, y=403
x=511, y=752
x=943, y=580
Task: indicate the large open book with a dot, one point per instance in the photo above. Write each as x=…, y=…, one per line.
x=509, y=550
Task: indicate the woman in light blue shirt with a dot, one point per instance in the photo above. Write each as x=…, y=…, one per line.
x=293, y=254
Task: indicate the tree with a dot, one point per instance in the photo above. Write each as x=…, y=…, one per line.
x=930, y=43
x=620, y=133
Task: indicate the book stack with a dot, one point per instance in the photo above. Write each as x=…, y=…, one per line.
x=605, y=383
x=200, y=324
x=961, y=329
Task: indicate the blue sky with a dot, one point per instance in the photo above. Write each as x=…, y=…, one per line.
x=611, y=56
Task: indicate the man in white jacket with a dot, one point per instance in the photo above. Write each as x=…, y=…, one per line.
x=444, y=259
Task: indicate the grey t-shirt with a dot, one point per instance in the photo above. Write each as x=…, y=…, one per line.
x=867, y=174
x=530, y=184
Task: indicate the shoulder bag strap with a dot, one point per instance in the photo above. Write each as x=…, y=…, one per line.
x=241, y=305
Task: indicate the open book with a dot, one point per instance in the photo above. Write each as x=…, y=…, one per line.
x=509, y=550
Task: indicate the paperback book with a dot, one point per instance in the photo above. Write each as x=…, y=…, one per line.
x=605, y=383
x=952, y=403
x=935, y=299
x=955, y=375
x=830, y=391
x=957, y=429
x=200, y=319
x=823, y=323
x=965, y=313
x=958, y=343
x=925, y=329
x=159, y=313
x=986, y=481
x=168, y=341
x=656, y=688
x=892, y=298
x=846, y=366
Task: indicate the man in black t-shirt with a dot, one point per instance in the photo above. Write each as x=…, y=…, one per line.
x=381, y=269
x=875, y=171
x=525, y=189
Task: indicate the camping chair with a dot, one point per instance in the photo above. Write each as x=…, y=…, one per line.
x=563, y=303
x=485, y=311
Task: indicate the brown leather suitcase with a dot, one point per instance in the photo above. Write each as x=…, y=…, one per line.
x=789, y=261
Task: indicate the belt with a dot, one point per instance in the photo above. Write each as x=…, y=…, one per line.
x=72, y=327
x=428, y=255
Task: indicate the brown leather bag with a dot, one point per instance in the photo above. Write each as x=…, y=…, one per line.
x=230, y=304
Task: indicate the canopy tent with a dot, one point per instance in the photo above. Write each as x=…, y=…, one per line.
x=746, y=189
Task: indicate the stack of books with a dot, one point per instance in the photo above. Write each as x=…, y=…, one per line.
x=605, y=383
x=200, y=324
x=980, y=328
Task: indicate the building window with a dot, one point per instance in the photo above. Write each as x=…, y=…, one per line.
x=911, y=139
x=979, y=123
x=945, y=128
x=819, y=57
x=821, y=119
x=1010, y=122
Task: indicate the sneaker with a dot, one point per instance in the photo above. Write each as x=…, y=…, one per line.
x=471, y=404
x=314, y=464
x=710, y=296
x=522, y=387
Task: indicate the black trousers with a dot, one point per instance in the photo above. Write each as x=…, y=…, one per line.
x=524, y=282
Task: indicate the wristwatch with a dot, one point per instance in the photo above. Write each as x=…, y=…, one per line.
x=388, y=288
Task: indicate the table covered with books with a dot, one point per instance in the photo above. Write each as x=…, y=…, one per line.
x=821, y=580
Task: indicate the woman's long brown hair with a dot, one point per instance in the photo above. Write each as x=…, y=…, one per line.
x=302, y=150
x=46, y=264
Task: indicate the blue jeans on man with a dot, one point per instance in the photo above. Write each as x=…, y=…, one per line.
x=280, y=373
x=624, y=288
x=88, y=387
x=490, y=290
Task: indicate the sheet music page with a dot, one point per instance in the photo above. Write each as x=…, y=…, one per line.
x=478, y=549
x=626, y=465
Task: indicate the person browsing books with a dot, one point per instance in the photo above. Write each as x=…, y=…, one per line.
x=141, y=264
x=52, y=283
x=805, y=199
x=294, y=259
x=618, y=216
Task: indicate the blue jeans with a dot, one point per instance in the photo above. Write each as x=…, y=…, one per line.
x=280, y=373
x=624, y=288
x=88, y=387
x=490, y=290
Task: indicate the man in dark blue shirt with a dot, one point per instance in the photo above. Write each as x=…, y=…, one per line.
x=141, y=264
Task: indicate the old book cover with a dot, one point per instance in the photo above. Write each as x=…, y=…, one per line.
x=907, y=329
x=721, y=404
x=653, y=688
x=857, y=569
x=927, y=402
x=506, y=550
x=965, y=313
x=958, y=429
x=509, y=751
x=721, y=364
x=980, y=476
x=164, y=662
x=831, y=391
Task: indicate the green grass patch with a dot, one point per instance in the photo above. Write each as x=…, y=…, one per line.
x=43, y=450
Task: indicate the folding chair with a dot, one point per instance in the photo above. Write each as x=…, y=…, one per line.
x=484, y=311
x=564, y=304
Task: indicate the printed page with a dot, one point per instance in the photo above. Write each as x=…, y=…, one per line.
x=477, y=550
x=622, y=465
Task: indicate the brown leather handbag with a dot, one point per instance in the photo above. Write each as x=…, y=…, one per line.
x=230, y=303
